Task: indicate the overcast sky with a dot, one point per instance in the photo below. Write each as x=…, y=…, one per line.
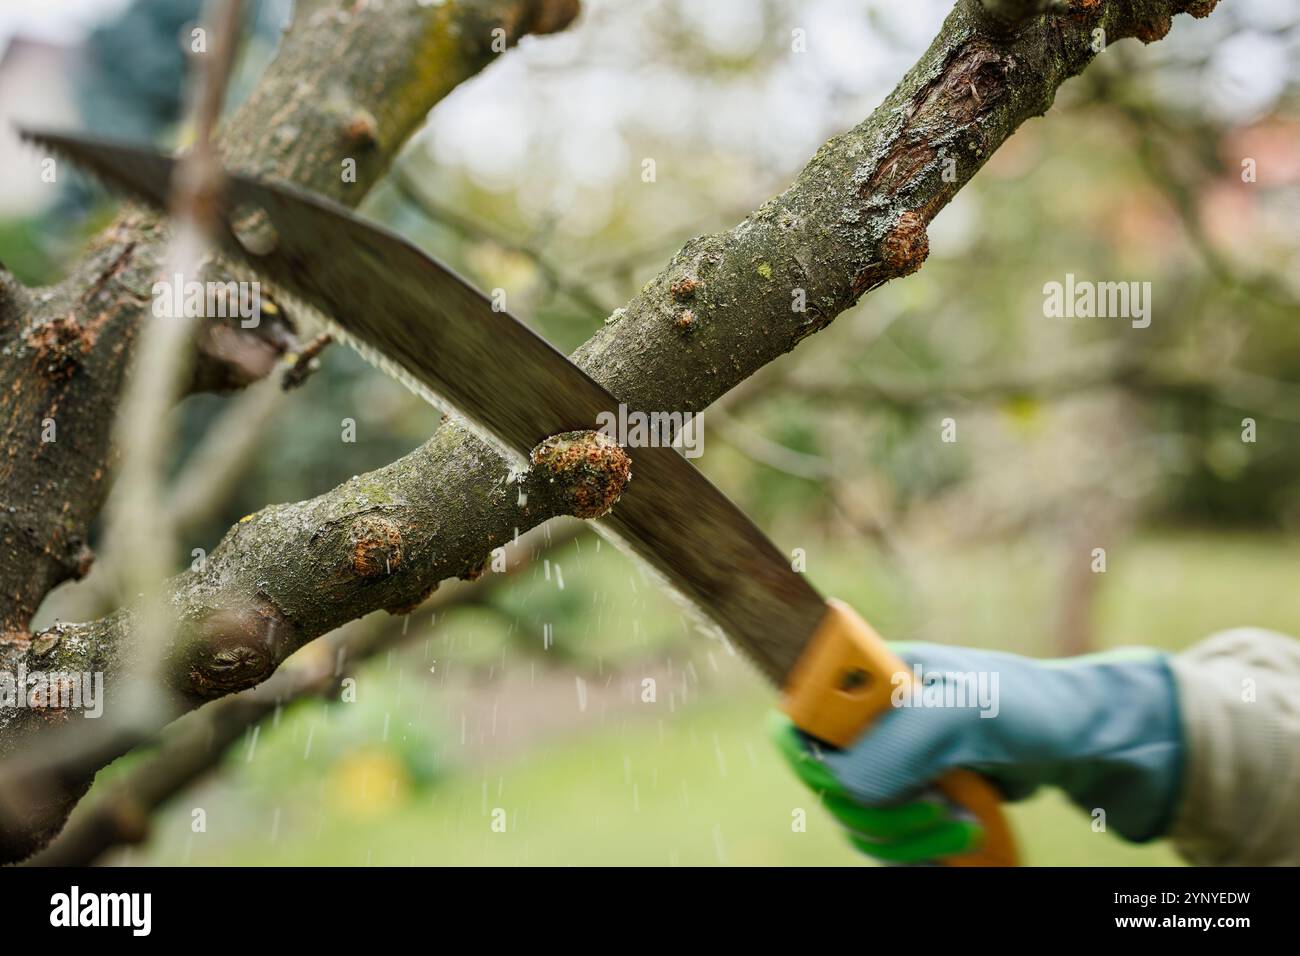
x=62, y=21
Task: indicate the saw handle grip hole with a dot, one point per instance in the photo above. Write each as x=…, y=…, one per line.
x=853, y=681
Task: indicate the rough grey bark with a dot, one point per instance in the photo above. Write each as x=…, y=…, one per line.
x=854, y=218
x=349, y=82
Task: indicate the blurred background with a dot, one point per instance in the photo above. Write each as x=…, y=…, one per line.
x=1073, y=434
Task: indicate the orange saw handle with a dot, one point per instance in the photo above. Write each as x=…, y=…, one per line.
x=844, y=680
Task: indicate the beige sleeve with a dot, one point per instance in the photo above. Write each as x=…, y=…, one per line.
x=1239, y=695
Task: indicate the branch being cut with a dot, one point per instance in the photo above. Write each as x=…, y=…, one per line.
x=349, y=85
x=369, y=544
x=853, y=219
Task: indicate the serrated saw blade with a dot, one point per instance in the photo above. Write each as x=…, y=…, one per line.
x=417, y=317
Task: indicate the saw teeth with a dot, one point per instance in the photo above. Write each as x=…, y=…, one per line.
x=242, y=271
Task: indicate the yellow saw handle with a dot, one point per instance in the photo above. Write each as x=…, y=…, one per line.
x=844, y=680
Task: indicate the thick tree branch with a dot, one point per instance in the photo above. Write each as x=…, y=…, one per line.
x=382, y=541
x=853, y=219
x=350, y=83
x=220, y=460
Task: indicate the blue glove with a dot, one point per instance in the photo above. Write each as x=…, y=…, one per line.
x=1103, y=728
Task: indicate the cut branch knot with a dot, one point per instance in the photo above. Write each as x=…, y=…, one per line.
x=376, y=546
x=237, y=648
x=906, y=245
x=60, y=345
x=589, y=469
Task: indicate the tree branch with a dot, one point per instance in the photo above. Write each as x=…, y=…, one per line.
x=349, y=84
x=853, y=219
x=192, y=747
x=216, y=465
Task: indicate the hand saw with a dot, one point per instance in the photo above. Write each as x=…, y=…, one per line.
x=420, y=321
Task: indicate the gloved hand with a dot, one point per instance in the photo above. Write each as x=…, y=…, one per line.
x=1104, y=728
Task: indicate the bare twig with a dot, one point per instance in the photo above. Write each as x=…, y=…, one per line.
x=414, y=193
x=762, y=449
x=143, y=426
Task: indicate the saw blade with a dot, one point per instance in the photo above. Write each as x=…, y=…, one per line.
x=418, y=319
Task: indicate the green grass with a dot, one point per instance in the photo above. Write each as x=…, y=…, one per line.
x=703, y=789
x=691, y=785
x=1171, y=590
